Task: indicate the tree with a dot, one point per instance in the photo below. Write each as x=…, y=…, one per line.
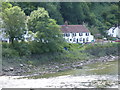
x=14, y=21
x=48, y=36
x=53, y=9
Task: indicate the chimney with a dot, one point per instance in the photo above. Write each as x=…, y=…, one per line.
x=66, y=23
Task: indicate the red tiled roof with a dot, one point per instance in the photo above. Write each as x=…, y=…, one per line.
x=73, y=28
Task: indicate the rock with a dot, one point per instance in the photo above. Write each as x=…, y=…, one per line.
x=30, y=65
x=56, y=67
x=5, y=70
x=77, y=66
x=32, y=89
x=21, y=65
x=11, y=69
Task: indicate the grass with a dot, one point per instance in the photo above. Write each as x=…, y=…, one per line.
x=67, y=72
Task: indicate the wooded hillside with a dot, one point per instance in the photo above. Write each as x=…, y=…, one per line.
x=99, y=16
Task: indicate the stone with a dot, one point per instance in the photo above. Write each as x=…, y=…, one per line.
x=5, y=70
x=21, y=65
x=11, y=69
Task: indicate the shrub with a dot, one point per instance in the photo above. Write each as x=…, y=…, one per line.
x=5, y=45
x=22, y=48
x=9, y=53
x=102, y=50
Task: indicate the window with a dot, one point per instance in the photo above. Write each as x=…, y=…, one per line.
x=64, y=34
x=112, y=31
x=67, y=40
x=80, y=34
x=80, y=39
x=70, y=39
x=74, y=40
x=87, y=39
x=74, y=34
x=87, y=34
x=67, y=34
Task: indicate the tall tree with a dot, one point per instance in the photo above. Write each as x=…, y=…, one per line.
x=48, y=35
x=14, y=20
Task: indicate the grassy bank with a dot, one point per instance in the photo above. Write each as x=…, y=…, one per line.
x=72, y=53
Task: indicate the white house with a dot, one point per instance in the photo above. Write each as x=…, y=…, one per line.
x=114, y=32
x=76, y=34
x=3, y=36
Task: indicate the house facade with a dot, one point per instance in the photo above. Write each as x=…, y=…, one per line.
x=76, y=34
x=114, y=32
x=3, y=37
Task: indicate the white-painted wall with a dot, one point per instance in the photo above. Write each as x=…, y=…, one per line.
x=78, y=38
x=114, y=32
x=3, y=36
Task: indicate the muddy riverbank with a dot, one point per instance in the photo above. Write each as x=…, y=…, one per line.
x=92, y=81
x=30, y=70
x=99, y=74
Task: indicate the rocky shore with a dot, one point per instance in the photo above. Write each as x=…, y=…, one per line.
x=30, y=70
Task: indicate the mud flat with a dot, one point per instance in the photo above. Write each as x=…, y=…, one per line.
x=91, y=81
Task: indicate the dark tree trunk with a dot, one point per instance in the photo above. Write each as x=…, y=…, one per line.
x=12, y=41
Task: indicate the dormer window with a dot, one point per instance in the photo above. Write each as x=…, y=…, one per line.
x=80, y=34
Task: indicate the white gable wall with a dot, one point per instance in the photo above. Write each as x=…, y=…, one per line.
x=114, y=32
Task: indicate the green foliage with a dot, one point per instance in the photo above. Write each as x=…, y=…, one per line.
x=9, y=53
x=14, y=20
x=48, y=36
x=99, y=50
x=37, y=17
x=5, y=5
x=22, y=48
x=5, y=45
x=53, y=9
x=101, y=15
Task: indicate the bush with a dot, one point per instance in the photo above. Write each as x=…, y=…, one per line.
x=102, y=50
x=9, y=53
x=22, y=48
x=5, y=45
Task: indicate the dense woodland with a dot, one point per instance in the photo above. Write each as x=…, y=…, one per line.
x=41, y=20
x=98, y=16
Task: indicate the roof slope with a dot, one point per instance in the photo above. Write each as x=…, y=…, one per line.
x=73, y=28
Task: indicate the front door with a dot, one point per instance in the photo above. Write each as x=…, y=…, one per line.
x=83, y=40
x=77, y=40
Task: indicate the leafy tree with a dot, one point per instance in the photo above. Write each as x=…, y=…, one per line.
x=53, y=9
x=14, y=20
x=48, y=35
x=5, y=5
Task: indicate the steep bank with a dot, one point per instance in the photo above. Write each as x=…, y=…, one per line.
x=53, y=67
x=76, y=56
